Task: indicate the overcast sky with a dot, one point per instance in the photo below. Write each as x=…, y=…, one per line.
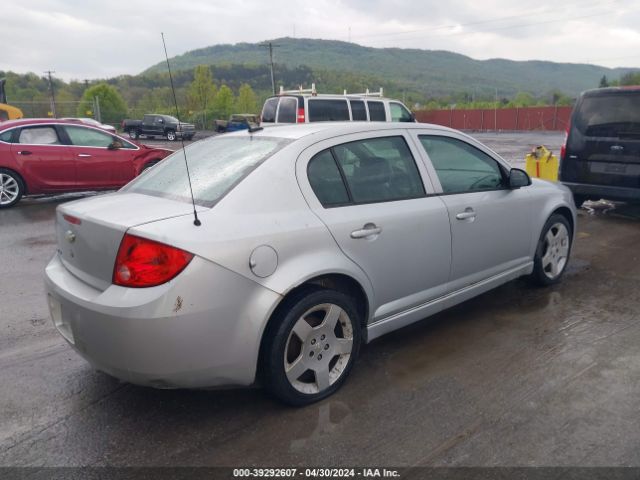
x=94, y=39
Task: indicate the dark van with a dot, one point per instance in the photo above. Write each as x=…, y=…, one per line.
x=601, y=155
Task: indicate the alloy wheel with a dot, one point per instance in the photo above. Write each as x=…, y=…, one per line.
x=556, y=250
x=9, y=189
x=318, y=348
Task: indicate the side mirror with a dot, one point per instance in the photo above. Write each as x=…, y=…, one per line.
x=518, y=178
x=412, y=117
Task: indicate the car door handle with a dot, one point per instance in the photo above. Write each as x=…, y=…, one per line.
x=84, y=155
x=468, y=213
x=24, y=152
x=368, y=230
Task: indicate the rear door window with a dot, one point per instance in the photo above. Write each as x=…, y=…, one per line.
x=321, y=110
x=615, y=115
x=379, y=170
x=326, y=181
x=39, y=136
x=269, y=110
x=358, y=111
x=287, y=110
x=376, y=111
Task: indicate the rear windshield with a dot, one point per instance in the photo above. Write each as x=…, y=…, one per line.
x=616, y=115
x=216, y=166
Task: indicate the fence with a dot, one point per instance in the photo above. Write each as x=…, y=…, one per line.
x=64, y=109
x=529, y=118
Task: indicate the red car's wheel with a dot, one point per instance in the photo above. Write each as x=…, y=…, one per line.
x=11, y=188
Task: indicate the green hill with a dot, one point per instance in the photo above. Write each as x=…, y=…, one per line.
x=432, y=73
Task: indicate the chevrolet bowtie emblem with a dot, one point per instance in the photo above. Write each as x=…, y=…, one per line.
x=70, y=236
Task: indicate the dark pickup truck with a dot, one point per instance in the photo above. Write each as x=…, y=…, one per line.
x=153, y=125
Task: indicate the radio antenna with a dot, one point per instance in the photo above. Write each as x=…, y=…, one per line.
x=196, y=220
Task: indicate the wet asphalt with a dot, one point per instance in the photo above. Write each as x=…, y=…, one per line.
x=520, y=376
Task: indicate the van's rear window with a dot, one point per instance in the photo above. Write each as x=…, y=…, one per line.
x=615, y=115
x=216, y=166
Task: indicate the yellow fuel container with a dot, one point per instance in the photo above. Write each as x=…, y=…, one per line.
x=541, y=163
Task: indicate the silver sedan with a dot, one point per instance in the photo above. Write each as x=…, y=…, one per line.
x=312, y=239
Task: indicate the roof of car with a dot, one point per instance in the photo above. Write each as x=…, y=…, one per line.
x=609, y=90
x=328, y=129
x=31, y=121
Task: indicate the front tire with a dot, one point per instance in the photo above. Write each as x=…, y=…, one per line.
x=171, y=135
x=312, y=346
x=553, y=251
x=11, y=188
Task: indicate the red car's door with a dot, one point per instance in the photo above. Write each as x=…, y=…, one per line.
x=43, y=160
x=98, y=164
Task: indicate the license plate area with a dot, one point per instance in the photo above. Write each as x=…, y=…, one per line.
x=615, y=168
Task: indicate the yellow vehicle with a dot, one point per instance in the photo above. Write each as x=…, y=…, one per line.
x=7, y=112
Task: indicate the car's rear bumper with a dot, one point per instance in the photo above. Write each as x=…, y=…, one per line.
x=202, y=329
x=604, y=191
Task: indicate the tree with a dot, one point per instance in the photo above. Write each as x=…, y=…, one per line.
x=224, y=102
x=201, y=92
x=603, y=82
x=523, y=99
x=247, y=101
x=113, y=108
x=631, y=78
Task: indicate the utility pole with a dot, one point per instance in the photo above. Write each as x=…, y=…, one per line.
x=53, y=97
x=271, y=46
x=495, y=111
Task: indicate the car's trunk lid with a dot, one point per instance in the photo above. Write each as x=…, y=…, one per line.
x=89, y=232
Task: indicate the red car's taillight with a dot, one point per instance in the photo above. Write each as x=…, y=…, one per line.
x=145, y=263
x=301, y=115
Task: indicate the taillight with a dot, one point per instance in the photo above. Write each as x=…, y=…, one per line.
x=301, y=115
x=72, y=219
x=145, y=263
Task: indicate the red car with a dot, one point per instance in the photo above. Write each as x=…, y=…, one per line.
x=51, y=156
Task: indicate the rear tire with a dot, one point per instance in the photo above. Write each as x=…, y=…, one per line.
x=11, y=188
x=311, y=346
x=171, y=135
x=553, y=251
x=134, y=134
